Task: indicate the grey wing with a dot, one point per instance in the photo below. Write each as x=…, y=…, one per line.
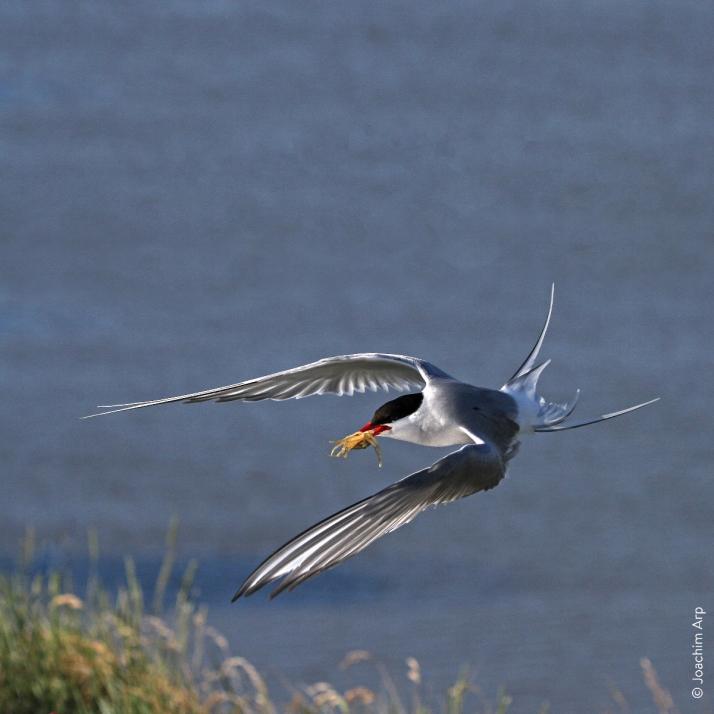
x=464, y=472
x=345, y=374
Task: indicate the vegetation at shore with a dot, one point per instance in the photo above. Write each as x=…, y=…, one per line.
x=103, y=653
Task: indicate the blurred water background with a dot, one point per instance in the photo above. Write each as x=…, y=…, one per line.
x=197, y=193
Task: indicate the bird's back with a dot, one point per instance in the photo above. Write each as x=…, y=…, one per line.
x=490, y=414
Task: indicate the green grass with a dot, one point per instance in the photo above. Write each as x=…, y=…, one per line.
x=63, y=653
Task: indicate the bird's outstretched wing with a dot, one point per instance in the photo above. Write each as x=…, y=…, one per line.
x=345, y=374
x=476, y=467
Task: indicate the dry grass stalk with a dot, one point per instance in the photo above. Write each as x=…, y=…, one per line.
x=661, y=697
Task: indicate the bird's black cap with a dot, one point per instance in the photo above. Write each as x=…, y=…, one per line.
x=397, y=409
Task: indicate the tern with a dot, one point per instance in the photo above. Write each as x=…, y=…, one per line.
x=442, y=411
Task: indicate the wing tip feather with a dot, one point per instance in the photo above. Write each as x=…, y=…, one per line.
x=247, y=589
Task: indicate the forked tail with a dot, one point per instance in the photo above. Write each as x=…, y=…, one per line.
x=534, y=412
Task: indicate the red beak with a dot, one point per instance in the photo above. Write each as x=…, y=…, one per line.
x=376, y=430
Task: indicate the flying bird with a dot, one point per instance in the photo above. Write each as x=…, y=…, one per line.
x=486, y=424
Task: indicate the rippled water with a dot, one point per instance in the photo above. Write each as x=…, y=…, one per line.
x=200, y=194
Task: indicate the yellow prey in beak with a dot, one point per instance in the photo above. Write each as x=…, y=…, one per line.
x=359, y=440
